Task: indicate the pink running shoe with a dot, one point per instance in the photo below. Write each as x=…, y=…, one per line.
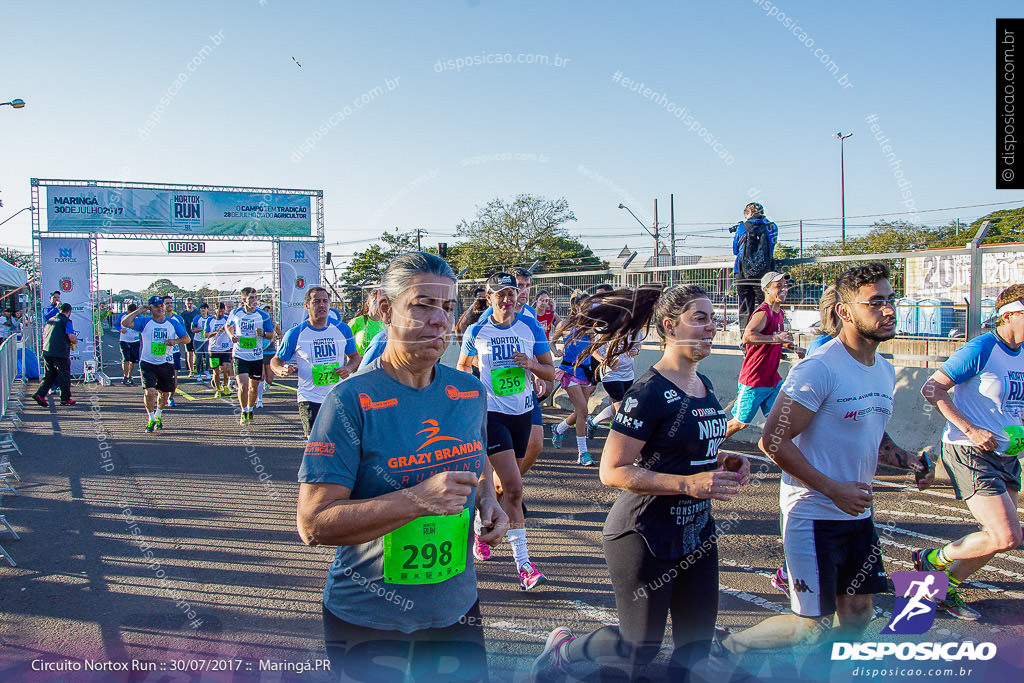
x=481, y=550
x=529, y=577
x=780, y=582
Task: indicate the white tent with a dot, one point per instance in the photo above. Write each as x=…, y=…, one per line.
x=10, y=276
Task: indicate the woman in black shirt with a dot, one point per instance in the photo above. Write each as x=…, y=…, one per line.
x=662, y=451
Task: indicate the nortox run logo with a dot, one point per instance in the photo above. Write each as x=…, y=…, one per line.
x=64, y=255
x=300, y=256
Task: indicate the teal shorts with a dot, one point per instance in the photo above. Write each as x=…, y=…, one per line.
x=750, y=399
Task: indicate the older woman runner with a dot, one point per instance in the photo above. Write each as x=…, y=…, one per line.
x=393, y=469
x=659, y=539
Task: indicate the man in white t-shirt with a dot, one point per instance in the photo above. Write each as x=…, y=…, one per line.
x=825, y=431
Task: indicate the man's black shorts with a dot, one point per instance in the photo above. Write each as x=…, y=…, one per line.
x=159, y=377
x=223, y=360
x=253, y=368
x=130, y=351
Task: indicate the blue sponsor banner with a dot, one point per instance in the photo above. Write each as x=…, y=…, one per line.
x=99, y=209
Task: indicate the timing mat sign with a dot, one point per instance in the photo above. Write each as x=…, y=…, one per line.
x=120, y=210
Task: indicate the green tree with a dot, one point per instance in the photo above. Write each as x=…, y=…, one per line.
x=19, y=259
x=1007, y=226
x=518, y=232
x=367, y=266
x=164, y=286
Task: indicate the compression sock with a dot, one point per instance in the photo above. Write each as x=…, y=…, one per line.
x=517, y=539
x=259, y=391
x=562, y=427
x=939, y=559
x=477, y=524
x=581, y=444
x=157, y=412
x=605, y=414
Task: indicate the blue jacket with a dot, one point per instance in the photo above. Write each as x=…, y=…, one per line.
x=741, y=230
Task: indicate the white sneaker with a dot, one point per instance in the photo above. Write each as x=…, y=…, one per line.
x=259, y=404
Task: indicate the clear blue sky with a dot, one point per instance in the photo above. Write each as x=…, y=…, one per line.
x=444, y=141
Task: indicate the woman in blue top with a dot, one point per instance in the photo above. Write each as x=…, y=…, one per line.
x=576, y=377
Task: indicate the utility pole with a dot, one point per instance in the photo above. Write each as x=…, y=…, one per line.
x=801, y=239
x=672, y=225
x=842, y=180
x=418, y=231
x=657, y=241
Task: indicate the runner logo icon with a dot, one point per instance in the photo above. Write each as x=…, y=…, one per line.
x=630, y=403
x=916, y=595
x=800, y=586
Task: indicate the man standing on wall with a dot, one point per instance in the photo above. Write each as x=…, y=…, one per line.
x=754, y=247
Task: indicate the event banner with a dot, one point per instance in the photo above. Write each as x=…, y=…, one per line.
x=941, y=276
x=65, y=269
x=300, y=270
x=175, y=212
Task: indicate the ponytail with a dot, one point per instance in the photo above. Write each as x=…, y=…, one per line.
x=619, y=317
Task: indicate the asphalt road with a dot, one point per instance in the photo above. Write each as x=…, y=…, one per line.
x=230, y=585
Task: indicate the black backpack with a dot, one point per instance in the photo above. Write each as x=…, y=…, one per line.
x=756, y=258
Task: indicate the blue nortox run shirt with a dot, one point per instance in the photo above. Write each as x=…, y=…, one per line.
x=315, y=351
x=199, y=339
x=155, y=336
x=509, y=387
x=375, y=435
x=219, y=340
x=129, y=337
x=989, y=378
x=248, y=347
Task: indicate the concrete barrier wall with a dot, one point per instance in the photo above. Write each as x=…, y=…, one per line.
x=914, y=424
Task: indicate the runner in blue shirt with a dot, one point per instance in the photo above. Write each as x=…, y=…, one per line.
x=324, y=354
x=576, y=377
x=158, y=333
x=981, y=446
x=174, y=356
x=219, y=347
x=248, y=324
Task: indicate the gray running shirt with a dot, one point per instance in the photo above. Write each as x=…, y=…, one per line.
x=376, y=436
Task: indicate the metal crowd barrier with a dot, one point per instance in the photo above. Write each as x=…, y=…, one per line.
x=11, y=392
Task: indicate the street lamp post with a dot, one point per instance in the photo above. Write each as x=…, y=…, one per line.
x=647, y=230
x=27, y=208
x=842, y=180
x=15, y=103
